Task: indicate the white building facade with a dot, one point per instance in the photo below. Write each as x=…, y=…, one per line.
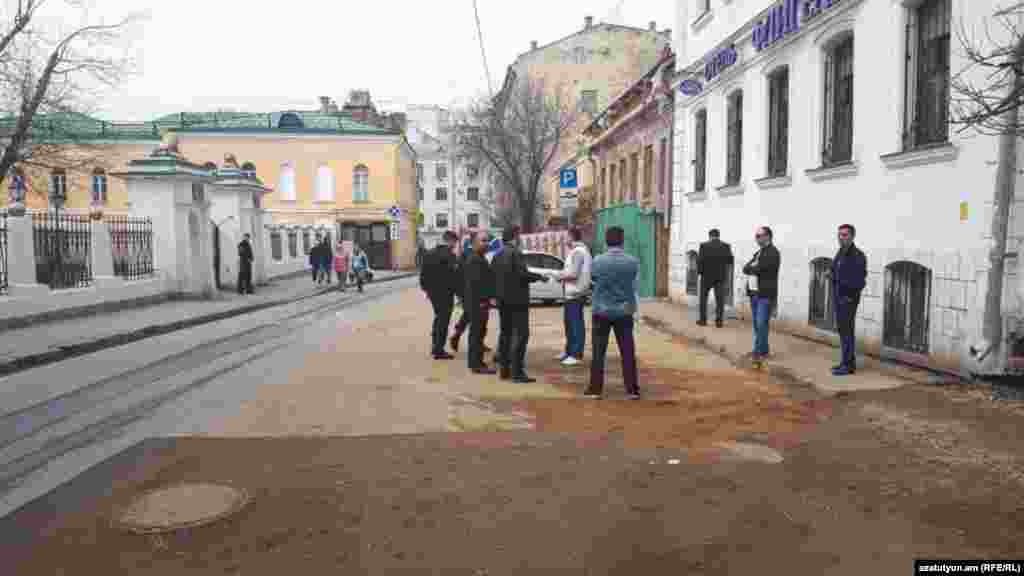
x=802, y=115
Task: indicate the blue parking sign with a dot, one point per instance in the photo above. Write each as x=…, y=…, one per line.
x=567, y=178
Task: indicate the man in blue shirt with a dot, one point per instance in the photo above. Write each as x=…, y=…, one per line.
x=615, y=279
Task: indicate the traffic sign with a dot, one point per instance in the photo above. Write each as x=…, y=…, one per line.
x=396, y=213
x=567, y=178
x=396, y=231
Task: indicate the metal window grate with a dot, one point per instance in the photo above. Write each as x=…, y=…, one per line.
x=930, y=123
x=908, y=288
x=735, y=139
x=838, y=138
x=778, y=123
x=131, y=242
x=821, y=314
x=62, y=244
x=700, y=147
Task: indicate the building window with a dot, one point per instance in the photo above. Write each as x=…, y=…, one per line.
x=700, y=147
x=820, y=314
x=286, y=182
x=908, y=288
x=441, y=171
x=648, y=170
x=623, y=182
x=588, y=101
x=441, y=194
x=441, y=220
x=613, y=186
x=293, y=243
x=472, y=172
x=734, y=139
x=99, y=186
x=691, y=273
x=306, y=245
x=275, y=245
x=927, y=74
x=59, y=184
x=472, y=194
x=419, y=171
x=325, y=184
x=604, y=186
x=419, y=189
x=472, y=220
x=838, y=120
x=634, y=175
x=361, y=184
x=663, y=164
x=778, y=122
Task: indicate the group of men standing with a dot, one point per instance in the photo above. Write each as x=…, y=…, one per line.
x=847, y=278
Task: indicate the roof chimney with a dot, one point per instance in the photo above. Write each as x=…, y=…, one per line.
x=652, y=26
x=533, y=44
x=588, y=22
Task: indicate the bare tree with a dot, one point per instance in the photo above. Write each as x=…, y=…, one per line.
x=518, y=133
x=51, y=75
x=987, y=94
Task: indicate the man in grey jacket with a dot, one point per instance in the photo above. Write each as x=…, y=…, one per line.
x=615, y=278
x=576, y=278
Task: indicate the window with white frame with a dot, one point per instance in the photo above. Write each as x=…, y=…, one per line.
x=700, y=148
x=472, y=194
x=778, y=122
x=734, y=138
x=99, y=186
x=324, y=184
x=441, y=220
x=927, y=74
x=361, y=184
x=286, y=182
x=837, y=140
x=441, y=194
x=441, y=171
x=588, y=101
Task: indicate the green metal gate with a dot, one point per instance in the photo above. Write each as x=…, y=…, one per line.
x=640, y=241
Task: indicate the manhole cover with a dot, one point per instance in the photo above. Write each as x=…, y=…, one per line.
x=181, y=506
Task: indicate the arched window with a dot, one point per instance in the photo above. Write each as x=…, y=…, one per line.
x=325, y=184
x=691, y=273
x=821, y=314
x=290, y=120
x=908, y=290
x=99, y=186
x=361, y=184
x=286, y=182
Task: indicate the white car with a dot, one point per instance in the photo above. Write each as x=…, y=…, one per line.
x=545, y=264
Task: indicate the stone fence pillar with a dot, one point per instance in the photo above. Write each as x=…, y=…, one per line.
x=21, y=257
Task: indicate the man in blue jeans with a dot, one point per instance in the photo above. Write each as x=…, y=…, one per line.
x=576, y=278
x=763, y=289
x=849, y=275
x=615, y=277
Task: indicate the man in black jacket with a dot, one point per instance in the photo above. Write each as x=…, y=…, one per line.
x=476, y=300
x=513, y=288
x=849, y=276
x=438, y=279
x=464, y=321
x=763, y=289
x=713, y=262
x=245, y=258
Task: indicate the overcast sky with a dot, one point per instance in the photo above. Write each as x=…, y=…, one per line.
x=204, y=55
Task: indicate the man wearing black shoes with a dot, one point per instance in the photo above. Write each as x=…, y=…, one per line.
x=476, y=301
x=438, y=279
x=713, y=263
x=513, y=288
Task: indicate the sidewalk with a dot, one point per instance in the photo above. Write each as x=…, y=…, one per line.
x=792, y=358
x=46, y=342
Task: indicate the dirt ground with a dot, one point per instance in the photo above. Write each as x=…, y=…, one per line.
x=867, y=482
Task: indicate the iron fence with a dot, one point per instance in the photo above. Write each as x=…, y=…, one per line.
x=131, y=243
x=3, y=252
x=62, y=248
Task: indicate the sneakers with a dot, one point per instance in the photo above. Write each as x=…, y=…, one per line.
x=633, y=396
x=571, y=361
x=562, y=357
x=592, y=395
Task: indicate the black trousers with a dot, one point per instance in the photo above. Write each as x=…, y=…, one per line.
x=706, y=286
x=515, y=335
x=623, y=328
x=245, y=278
x=442, y=303
x=846, y=323
x=478, y=316
x=501, y=356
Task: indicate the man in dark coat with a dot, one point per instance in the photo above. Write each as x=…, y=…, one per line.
x=245, y=258
x=849, y=276
x=513, y=289
x=438, y=279
x=713, y=262
x=763, y=289
x=315, y=256
x=476, y=300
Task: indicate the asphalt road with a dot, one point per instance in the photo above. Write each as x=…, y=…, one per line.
x=177, y=384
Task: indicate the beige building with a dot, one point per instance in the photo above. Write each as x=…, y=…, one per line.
x=589, y=68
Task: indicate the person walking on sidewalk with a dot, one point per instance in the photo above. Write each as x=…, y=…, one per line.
x=341, y=266
x=314, y=261
x=513, y=289
x=849, y=276
x=438, y=279
x=713, y=262
x=477, y=297
x=576, y=278
x=616, y=279
x=245, y=258
x=361, y=267
x=326, y=258
x=763, y=289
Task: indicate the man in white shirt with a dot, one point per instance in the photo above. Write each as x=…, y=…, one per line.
x=576, y=278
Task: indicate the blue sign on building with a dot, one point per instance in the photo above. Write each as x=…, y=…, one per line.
x=690, y=87
x=719, y=61
x=567, y=177
x=785, y=18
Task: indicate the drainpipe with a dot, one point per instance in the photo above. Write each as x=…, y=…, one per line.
x=988, y=354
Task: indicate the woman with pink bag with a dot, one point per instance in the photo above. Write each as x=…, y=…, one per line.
x=341, y=259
